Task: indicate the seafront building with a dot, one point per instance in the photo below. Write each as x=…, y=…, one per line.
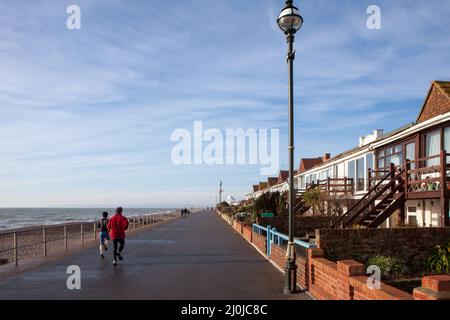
x=389, y=179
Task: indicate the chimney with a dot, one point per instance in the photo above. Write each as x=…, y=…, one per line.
x=378, y=133
x=361, y=141
x=326, y=157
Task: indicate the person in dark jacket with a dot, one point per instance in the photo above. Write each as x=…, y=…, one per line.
x=117, y=226
x=104, y=234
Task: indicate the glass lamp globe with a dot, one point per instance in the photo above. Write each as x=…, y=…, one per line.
x=290, y=20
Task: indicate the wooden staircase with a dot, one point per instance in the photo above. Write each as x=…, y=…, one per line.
x=380, y=202
x=300, y=207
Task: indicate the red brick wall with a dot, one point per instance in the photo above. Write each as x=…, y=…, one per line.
x=237, y=226
x=433, y=288
x=412, y=245
x=247, y=233
x=323, y=284
x=302, y=272
x=345, y=281
x=361, y=291
x=278, y=255
x=259, y=242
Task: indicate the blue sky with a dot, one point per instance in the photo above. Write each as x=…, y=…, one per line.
x=87, y=114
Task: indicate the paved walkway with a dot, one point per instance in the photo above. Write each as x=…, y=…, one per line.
x=199, y=257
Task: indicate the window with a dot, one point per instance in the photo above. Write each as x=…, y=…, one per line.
x=360, y=174
x=396, y=159
x=390, y=155
x=351, y=170
x=324, y=175
x=447, y=142
x=369, y=161
x=411, y=154
x=308, y=180
x=412, y=209
x=433, y=147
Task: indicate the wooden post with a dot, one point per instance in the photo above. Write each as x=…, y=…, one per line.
x=392, y=175
x=44, y=240
x=444, y=219
x=407, y=168
x=81, y=233
x=392, y=169
x=95, y=231
x=65, y=237
x=16, y=261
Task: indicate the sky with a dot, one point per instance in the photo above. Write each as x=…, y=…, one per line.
x=87, y=115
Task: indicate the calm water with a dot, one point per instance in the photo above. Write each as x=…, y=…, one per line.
x=17, y=217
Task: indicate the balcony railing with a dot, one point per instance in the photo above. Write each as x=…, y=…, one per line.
x=424, y=175
x=428, y=174
x=335, y=186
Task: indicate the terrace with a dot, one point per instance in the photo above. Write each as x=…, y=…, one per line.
x=424, y=177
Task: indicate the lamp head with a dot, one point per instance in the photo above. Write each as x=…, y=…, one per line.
x=290, y=20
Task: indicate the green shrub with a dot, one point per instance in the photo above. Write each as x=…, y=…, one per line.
x=273, y=202
x=391, y=267
x=439, y=260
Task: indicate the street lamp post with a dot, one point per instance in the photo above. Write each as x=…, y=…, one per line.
x=290, y=21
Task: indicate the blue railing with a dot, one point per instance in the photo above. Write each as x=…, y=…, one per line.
x=259, y=229
x=273, y=236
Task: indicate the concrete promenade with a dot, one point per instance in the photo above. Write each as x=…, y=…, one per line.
x=198, y=257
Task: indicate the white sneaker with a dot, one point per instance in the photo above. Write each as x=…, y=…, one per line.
x=114, y=263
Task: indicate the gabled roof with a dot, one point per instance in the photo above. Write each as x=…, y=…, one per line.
x=272, y=181
x=284, y=175
x=437, y=101
x=262, y=186
x=255, y=188
x=309, y=163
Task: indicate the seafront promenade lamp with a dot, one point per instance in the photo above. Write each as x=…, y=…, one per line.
x=290, y=21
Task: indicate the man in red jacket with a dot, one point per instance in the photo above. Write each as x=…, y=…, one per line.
x=116, y=227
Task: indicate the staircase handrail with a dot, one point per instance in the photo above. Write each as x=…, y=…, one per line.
x=377, y=195
x=373, y=188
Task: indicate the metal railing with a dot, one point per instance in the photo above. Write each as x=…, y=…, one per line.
x=83, y=230
x=273, y=236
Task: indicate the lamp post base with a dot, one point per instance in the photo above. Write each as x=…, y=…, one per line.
x=290, y=271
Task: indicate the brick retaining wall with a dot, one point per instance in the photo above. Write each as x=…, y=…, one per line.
x=344, y=279
x=412, y=245
x=260, y=242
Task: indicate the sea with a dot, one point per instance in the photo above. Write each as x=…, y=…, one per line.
x=13, y=218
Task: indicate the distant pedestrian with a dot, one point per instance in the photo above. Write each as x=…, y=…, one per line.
x=104, y=234
x=117, y=227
